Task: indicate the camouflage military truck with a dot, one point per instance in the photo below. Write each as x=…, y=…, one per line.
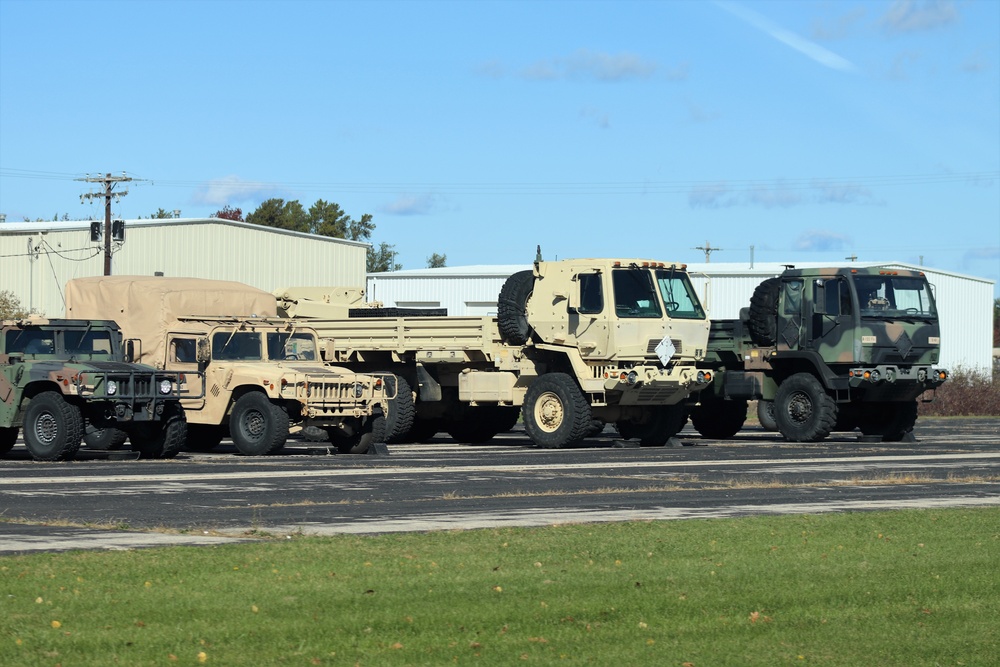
x=59, y=377
x=263, y=375
x=825, y=350
x=576, y=344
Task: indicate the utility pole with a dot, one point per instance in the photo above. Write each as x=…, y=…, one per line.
x=708, y=251
x=109, y=183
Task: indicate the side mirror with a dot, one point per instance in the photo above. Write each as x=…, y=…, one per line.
x=204, y=352
x=129, y=351
x=819, y=297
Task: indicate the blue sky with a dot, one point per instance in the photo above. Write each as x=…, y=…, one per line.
x=812, y=131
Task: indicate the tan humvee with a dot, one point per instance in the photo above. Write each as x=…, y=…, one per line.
x=576, y=344
x=263, y=375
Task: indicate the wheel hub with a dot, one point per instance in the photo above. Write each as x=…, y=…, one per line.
x=549, y=412
x=800, y=408
x=46, y=429
x=254, y=425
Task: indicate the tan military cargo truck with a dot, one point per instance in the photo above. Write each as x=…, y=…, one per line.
x=576, y=344
x=263, y=375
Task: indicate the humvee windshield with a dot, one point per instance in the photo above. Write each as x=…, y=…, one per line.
x=894, y=297
x=679, y=296
x=294, y=346
x=247, y=346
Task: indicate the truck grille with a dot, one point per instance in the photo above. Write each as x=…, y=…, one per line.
x=651, y=347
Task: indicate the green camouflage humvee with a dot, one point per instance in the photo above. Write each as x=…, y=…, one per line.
x=826, y=350
x=61, y=379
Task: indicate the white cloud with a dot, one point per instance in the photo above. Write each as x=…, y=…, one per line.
x=408, y=204
x=231, y=189
x=810, y=49
x=818, y=240
x=913, y=15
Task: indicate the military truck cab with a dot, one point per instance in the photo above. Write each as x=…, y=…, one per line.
x=830, y=349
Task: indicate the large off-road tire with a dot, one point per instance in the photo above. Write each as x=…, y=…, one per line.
x=8, y=436
x=256, y=427
x=763, y=319
x=162, y=439
x=362, y=434
x=203, y=437
x=423, y=430
x=108, y=438
x=512, y=316
x=892, y=421
x=53, y=428
x=719, y=419
x=556, y=413
x=659, y=424
x=765, y=415
x=399, y=421
x=803, y=410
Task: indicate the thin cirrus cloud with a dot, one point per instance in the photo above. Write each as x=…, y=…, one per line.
x=804, y=46
x=779, y=195
x=586, y=64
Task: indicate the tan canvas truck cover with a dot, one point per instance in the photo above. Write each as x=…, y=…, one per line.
x=147, y=307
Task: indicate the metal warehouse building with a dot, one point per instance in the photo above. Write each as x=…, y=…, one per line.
x=965, y=303
x=37, y=258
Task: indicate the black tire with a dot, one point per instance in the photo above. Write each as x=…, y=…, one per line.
x=556, y=413
x=53, y=428
x=659, y=424
x=892, y=421
x=765, y=415
x=719, y=419
x=363, y=434
x=423, y=430
x=512, y=318
x=399, y=421
x=803, y=410
x=105, y=439
x=203, y=437
x=8, y=436
x=315, y=434
x=256, y=427
x=763, y=320
x=162, y=439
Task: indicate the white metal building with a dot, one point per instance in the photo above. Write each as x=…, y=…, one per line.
x=37, y=258
x=965, y=303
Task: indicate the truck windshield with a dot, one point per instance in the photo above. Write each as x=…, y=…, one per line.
x=635, y=295
x=236, y=346
x=89, y=342
x=294, y=346
x=679, y=297
x=893, y=297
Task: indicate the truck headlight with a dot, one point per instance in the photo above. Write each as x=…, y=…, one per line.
x=874, y=376
x=165, y=386
x=112, y=388
x=632, y=377
x=359, y=390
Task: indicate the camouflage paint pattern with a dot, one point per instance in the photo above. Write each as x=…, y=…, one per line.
x=83, y=361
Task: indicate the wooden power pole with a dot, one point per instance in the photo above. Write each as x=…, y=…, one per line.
x=109, y=183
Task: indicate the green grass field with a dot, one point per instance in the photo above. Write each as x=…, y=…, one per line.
x=893, y=588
